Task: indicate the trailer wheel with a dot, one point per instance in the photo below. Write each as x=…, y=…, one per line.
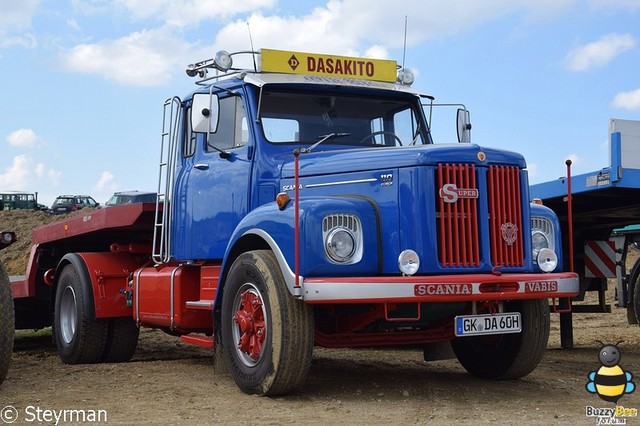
x=508, y=356
x=79, y=338
x=634, y=289
x=7, y=323
x=267, y=334
x=122, y=340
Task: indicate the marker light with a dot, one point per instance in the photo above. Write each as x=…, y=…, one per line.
x=222, y=60
x=408, y=262
x=547, y=260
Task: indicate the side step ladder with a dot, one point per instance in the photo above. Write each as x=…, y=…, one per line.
x=166, y=178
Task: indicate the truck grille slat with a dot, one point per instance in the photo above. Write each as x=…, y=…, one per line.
x=458, y=221
x=458, y=216
x=505, y=216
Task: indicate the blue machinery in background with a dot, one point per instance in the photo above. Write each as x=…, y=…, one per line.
x=602, y=202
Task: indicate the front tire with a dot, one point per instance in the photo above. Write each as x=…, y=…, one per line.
x=7, y=323
x=508, y=356
x=267, y=334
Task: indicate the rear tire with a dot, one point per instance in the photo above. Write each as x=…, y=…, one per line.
x=267, y=334
x=122, y=340
x=634, y=289
x=80, y=338
x=508, y=356
x=7, y=323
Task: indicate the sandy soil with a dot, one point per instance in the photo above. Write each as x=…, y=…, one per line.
x=168, y=382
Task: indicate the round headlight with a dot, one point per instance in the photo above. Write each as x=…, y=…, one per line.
x=539, y=241
x=547, y=260
x=408, y=262
x=340, y=245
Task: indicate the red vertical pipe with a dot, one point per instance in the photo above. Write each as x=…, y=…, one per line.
x=296, y=216
x=569, y=215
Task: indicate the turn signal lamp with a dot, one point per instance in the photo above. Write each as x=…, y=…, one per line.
x=282, y=199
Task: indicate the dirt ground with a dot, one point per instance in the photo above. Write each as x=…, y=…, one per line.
x=169, y=382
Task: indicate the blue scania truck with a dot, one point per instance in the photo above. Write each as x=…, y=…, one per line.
x=304, y=201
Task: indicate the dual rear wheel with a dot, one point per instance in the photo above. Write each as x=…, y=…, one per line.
x=79, y=337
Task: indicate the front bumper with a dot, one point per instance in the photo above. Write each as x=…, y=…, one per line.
x=440, y=288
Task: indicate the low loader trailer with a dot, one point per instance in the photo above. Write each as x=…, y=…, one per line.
x=599, y=213
x=303, y=200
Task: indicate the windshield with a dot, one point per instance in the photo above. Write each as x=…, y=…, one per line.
x=355, y=120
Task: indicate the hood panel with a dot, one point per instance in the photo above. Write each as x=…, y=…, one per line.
x=341, y=161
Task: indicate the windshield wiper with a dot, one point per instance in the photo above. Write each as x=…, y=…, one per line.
x=322, y=139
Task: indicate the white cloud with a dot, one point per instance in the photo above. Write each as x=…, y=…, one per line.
x=17, y=175
x=23, y=173
x=188, y=12
x=17, y=15
x=27, y=40
x=15, y=18
x=145, y=58
x=351, y=27
x=631, y=5
x=23, y=138
x=576, y=160
x=600, y=52
x=348, y=27
x=627, y=100
x=106, y=183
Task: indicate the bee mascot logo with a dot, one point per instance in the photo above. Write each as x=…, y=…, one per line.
x=610, y=382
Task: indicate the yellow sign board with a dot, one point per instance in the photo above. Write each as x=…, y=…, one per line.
x=328, y=65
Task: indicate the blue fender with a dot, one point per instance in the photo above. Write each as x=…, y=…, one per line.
x=274, y=228
x=538, y=210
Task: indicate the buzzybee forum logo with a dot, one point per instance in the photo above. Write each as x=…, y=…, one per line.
x=610, y=382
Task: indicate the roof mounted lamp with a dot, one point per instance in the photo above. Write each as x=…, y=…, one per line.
x=405, y=77
x=221, y=61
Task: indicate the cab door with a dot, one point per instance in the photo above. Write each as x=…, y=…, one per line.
x=213, y=184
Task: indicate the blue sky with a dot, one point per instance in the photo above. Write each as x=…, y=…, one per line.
x=83, y=81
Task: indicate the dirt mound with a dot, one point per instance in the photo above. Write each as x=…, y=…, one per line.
x=22, y=222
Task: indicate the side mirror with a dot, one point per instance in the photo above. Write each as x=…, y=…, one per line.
x=204, y=113
x=464, y=126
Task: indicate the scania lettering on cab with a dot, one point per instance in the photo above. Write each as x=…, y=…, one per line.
x=306, y=202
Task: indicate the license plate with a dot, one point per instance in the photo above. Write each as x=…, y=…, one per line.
x=475, y=325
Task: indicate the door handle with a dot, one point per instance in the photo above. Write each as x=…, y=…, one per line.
x=201, y=166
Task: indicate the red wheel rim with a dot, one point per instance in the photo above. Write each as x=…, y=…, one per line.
x=250, y=324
